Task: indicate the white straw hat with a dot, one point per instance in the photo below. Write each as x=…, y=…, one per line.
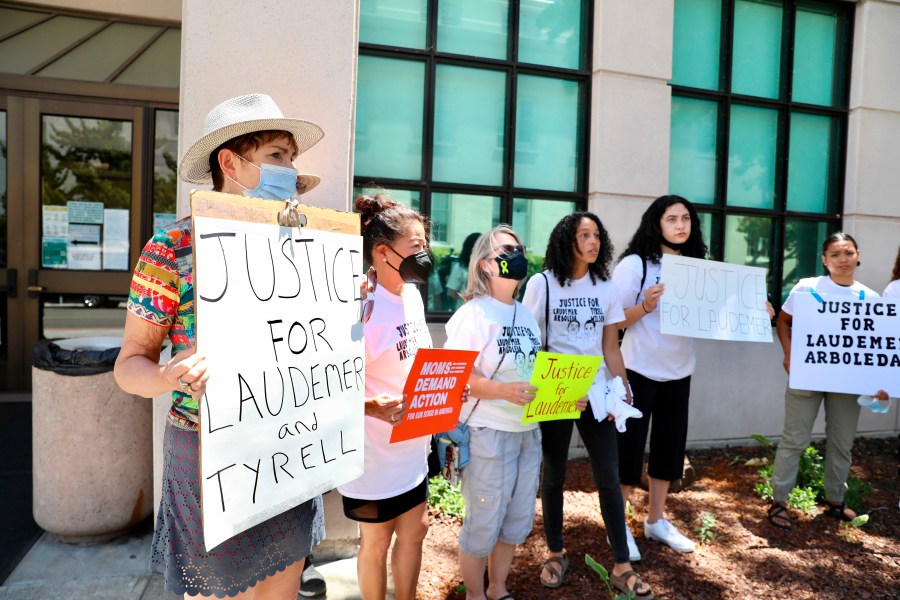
x=240, y=116
x=306, y=182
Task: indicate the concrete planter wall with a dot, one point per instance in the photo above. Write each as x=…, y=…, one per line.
x=93, y=456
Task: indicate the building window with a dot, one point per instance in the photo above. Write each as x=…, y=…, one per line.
x=759, y=118
x=475, y=113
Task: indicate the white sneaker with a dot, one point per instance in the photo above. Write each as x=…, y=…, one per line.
x=634, y=555
x=665, y=532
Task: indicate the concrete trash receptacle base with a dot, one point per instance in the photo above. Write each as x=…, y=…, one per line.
x=93, y=461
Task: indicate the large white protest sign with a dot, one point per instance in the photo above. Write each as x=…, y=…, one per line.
x=713, y=300
x=845, y=345
x=277, y=318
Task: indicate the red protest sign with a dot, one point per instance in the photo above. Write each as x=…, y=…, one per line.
x=434, y=392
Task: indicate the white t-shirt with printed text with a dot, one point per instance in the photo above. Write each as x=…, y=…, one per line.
x=577, y=311
x=485, y=325
x=824, y=285
x=395, y=332
x=655, y=355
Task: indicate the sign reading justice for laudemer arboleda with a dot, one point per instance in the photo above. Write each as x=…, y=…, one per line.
x=277, y=318
x=848, y=345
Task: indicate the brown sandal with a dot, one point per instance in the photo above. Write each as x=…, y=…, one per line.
x=778, y=516
x=559, y=574
x=620, y=582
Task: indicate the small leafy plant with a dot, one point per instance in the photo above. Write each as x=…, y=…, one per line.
x=707, y=528
x=604, y=577
x=810, y=489
x=446, y=498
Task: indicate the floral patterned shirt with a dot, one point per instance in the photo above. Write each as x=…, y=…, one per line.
x=162, y=293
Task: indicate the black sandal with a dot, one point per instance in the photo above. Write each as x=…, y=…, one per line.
x=838, y=511
x=779, y=517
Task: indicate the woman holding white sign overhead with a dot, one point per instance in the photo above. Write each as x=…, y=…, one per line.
x=501, y=478
x=840, y=256
x=390, y=498
x=247, y=147
x=659, y=365
x=576, y=288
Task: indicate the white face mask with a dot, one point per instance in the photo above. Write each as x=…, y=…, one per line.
x=275, y=183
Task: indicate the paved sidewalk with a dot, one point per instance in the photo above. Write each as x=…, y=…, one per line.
x=117, y=570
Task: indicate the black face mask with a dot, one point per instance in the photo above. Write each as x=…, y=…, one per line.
x=414, y=268
x=512, y=265
x=668, y=244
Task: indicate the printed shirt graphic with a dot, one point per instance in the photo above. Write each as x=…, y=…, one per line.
x=825, y=286
x=484, y=324
x=393, y=336
x=578, y=313
x=654, y=355
x=162, y=293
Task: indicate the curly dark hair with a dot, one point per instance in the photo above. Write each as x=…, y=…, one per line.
x=384, y=220
x=895, y=274
x=648, y=237
x=562, y=244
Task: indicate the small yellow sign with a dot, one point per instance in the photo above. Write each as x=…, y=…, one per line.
x=561, y=380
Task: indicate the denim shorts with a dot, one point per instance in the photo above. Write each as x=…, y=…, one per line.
x=500, y=487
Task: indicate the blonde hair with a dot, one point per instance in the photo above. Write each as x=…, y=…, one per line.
x=479, y=283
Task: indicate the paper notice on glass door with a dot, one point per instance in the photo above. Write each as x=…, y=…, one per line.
x=55, y=223
x=115, y=239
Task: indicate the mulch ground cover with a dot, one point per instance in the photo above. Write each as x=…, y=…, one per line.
x=749, y=558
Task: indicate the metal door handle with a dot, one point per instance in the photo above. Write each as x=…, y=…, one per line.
x=33, y=288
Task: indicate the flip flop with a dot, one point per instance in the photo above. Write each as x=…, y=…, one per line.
x=620, y=582
x=778, y=516
x=559, y=574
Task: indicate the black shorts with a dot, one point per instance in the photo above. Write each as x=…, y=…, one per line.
x=385, y=509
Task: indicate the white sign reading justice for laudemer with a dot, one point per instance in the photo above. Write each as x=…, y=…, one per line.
x=277, y=318
x=713, y=300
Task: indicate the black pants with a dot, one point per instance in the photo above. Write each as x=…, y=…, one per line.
x=600, y=441
x=666, y=403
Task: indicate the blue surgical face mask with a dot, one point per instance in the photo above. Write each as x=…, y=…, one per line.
x=275, y=183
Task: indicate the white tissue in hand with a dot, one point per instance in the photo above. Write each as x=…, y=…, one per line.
x=616, y=404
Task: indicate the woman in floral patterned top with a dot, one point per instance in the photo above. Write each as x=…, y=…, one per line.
x=248, y=148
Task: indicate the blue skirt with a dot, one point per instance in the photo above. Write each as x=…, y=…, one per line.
x=237, y=564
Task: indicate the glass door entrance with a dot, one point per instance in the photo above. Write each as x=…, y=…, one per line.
x=84, y=201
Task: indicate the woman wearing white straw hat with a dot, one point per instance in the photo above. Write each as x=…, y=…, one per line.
x=248, y=147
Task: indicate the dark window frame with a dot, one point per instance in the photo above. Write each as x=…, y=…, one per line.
x=507, y=191
x=785, y=106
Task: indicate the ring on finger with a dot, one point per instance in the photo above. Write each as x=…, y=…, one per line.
x=393, y=420
x=184, y=385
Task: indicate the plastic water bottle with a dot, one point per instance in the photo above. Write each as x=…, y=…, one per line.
x=874, y=404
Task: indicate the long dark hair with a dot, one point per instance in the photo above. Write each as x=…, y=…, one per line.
x=562, y=244
x=895, y=274
x=384, y=220
x=465, y=255
x=648, y=237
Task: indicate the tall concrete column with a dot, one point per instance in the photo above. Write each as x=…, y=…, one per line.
x=630, y=111
x=303, y=54
x=300, y=52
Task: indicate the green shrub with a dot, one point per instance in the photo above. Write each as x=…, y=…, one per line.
x=810, y=488
x=446, y=498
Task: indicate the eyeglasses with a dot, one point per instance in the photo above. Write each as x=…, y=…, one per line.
x=510, y=248
x=366, y=304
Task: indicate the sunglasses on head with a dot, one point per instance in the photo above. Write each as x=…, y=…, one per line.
x=366, y=304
